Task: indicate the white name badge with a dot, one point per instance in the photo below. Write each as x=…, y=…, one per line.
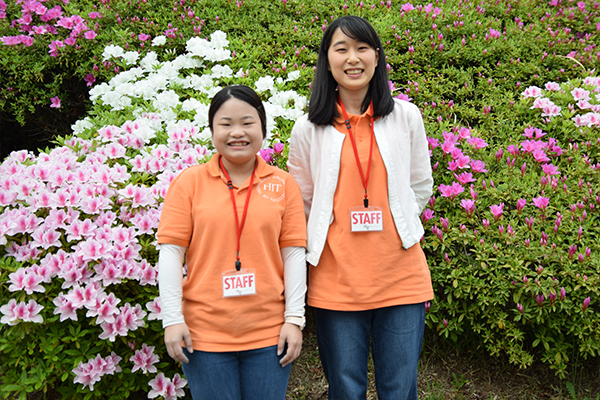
x=366, y=219
x=239, y=283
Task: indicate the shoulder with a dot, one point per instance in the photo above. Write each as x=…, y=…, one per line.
x=302, y=125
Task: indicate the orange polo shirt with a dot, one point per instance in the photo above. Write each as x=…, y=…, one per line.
x=365, y=270
x=198, y=214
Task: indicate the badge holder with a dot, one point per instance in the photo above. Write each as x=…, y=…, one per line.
x=369, y=219
x=239, y=283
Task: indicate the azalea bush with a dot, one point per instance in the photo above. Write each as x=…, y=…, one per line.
x=78, y=225
x=514, y=229
x=509, y=95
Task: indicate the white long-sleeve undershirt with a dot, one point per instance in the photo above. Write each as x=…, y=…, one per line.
x=170, y=279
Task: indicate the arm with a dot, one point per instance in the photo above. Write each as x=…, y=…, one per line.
x=421, y=178
x=170, y=278
x=299, y=162
x=294, y=277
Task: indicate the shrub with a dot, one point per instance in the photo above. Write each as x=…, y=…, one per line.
x=78, y=226
x=483, y=75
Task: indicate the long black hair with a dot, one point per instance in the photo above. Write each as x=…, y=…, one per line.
x=240, y=92
x=322, y=109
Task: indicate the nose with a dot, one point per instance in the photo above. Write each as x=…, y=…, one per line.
x=237, y=131
x=353, y=57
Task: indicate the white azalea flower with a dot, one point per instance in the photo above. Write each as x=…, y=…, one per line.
x=190, y=105
x=265, y=83
x=112, y=51
x=159, y=40
x=131, y=57
x=99, y=90
x=219, y=71
x=292, y=76
x=149, y=61
x=167, y=99
x=82, y=125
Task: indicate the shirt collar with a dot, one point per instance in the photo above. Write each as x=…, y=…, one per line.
x=262, y=168
x=340, y=118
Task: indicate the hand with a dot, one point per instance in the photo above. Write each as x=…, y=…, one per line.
x=174, y=335
x=291, y=334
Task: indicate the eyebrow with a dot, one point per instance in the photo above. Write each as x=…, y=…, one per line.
x=229, y=119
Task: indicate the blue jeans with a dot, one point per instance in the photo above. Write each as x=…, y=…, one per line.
x=240, y=375
x=396, y=336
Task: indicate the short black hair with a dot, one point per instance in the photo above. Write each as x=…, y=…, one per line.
x=322, y=109
x=240, y=92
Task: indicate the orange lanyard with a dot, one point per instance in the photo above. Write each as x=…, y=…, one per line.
x=239, y=227
x=365, y=180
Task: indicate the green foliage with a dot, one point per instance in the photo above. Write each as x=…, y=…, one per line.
x=478, y=269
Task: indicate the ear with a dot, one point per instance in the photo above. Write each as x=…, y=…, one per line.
x=376, y=57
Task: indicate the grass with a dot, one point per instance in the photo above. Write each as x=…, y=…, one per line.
x=447, y=373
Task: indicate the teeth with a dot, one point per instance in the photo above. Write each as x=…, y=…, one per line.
x=237, y=143
x=354, y=71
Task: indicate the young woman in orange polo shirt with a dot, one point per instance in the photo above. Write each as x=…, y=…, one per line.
x=361, y=159
x=240, y=225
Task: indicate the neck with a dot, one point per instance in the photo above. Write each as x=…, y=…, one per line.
x=238, y=173
x=353, y=100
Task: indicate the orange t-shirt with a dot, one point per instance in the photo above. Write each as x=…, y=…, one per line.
x=365, y=270
x=198, y=214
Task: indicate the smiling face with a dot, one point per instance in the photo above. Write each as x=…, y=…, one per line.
x=237, y=134
x=352, y=64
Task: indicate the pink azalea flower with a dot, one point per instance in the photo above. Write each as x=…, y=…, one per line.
x=90, y=35
x=552, y=86
x=541, y=202
x=521, y=203
x=532, y=91
x=144, y=359
x=550, y=169
x=154, y=307
x=266, y=154
x=110, y=330
x=148, y=274
x=65, y=308
x=478, y=166
x=476, y=142
x=465, y=177
x=469, y=206
x=143, y=37
x=158, y=385
x=407, y=7
x=54, y=102
x=540, y=156
x=580, y=94
x=179, y=384
x=452, y=190
x=497, y=210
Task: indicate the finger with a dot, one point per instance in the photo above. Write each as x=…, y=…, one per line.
x=281, y=344
x=187, y=338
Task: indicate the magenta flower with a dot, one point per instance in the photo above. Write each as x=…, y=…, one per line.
x=586, y=303
x=427, y=214
x=54, y=102
x=497, y=210
x=278, y=147
x=550, y=169
x=520, y=308
x=541, y=202
x=89, y=79
x=539, y=299
x=469, y=206
x=476, y=142
x=478, y=166
x=563, y=293
x=266, y=154
x=521, y=203
x=451, y=190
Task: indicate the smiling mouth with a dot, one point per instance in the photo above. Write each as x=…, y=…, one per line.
x=235, y=144
x=354, y=71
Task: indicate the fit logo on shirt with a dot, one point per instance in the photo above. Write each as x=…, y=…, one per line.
x=272, y=188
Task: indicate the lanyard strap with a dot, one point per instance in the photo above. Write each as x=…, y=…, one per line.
x=365, y=180
x=239, y=227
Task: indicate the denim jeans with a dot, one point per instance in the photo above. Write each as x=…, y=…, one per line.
x=242, y=375
x=396, y=336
